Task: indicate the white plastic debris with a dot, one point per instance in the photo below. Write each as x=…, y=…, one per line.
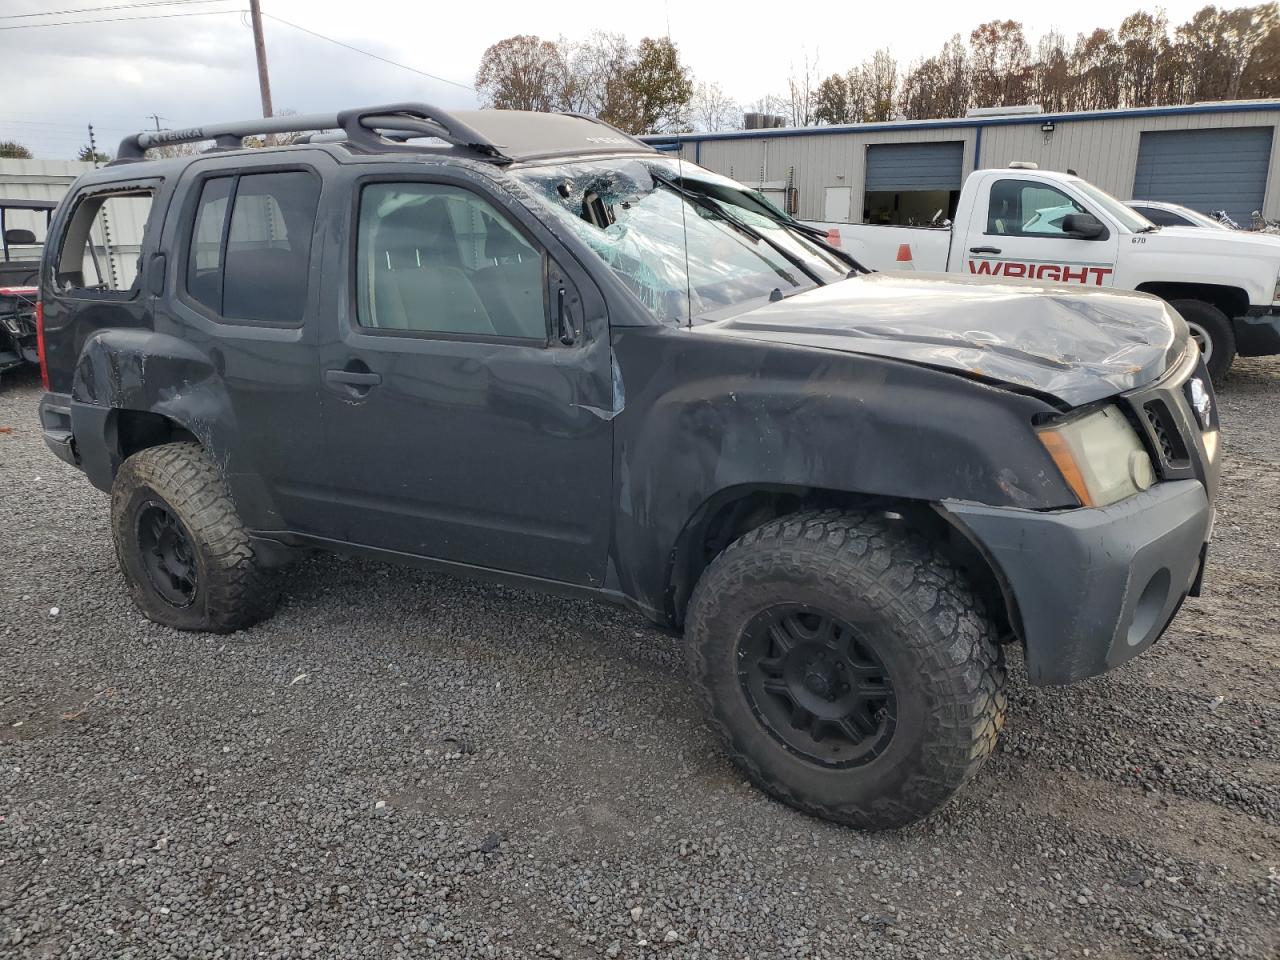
x=1215, y=703
x=53, y=611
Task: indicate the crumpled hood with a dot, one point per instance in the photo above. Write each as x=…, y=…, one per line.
x=1078, y=345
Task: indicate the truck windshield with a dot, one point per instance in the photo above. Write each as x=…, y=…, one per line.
x=686, y=246
x=1126, y=216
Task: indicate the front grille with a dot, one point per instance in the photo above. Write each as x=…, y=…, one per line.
x=1162, y=413
x=1173, y=450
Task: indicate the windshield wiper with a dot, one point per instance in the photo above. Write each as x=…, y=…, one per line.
x=707, y=203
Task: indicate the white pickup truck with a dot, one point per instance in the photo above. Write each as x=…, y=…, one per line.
x=1054, y=227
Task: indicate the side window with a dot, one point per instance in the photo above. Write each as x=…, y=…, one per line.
x=1163, y=218
x=204, y=259
x=440, y=259
x=256, y=266
x=1022, y=208
x=103, y=243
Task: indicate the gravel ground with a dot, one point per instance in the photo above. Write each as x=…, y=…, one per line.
x=403, y=764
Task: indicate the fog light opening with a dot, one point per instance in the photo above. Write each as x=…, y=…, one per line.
x=1146, y=615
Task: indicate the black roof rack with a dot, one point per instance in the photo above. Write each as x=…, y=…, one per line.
x=500, y=136
x=360, y=125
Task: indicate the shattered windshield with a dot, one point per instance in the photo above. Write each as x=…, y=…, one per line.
x=685, y=247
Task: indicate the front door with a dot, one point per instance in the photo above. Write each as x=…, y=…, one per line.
x=1022, y=236
x=463, y=421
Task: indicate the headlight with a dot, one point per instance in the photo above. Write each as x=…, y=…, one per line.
x=1100, y=456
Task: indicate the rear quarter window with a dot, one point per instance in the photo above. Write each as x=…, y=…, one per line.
x=102, y=247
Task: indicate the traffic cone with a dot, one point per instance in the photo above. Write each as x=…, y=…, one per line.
x=904, y=257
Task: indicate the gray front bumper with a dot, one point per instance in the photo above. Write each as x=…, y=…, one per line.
x=1094, y=587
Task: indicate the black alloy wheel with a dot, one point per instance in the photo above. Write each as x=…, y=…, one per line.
x=817, y=686
x=168, y=556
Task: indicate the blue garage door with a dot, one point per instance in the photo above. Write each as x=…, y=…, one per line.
x=900, y=167
x=1206, y=170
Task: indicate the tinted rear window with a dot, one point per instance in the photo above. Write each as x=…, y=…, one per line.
x=255, y=268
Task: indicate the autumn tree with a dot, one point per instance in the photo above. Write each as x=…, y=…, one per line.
x=1050, y=76
x=879, y=77
x=1096, y=66
x=937, y=86
x=660, y=88
x=1000, y=57
x=832, y=102
x=1143, y=40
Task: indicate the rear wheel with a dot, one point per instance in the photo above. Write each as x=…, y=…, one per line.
x=185, y=554
x=1211, y=330
x=847, y=667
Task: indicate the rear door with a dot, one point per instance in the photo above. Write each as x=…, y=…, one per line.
x=243, y=281
x=1017, y=231
x=463, y=421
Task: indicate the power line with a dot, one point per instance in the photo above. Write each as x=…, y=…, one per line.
x=152, y=16
x=118, y=6
x=402, y=66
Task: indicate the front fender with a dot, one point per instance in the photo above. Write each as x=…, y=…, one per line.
x=1236, y=266
x=705, y=415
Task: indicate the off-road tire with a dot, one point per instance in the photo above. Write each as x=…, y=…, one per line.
x=232, y=589
x=1217, y=329
x=917, y=612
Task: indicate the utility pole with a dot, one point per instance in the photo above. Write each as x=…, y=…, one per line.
x=260, y=50
x=157, y=118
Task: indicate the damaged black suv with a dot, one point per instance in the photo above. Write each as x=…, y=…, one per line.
x=530, y=348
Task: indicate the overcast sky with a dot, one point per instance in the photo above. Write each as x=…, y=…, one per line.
x=194, y=69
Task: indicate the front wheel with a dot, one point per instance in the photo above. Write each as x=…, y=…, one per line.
x=847, y=667
x=1211, y=330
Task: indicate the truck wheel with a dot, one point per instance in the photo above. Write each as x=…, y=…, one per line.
x=847, y=667
x=185, y=554
x=1212, y=332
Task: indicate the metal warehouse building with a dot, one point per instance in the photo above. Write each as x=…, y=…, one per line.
x=1213, y=156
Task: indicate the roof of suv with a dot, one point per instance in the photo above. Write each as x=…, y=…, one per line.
x=498, y=136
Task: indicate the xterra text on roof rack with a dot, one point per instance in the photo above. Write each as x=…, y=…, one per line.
x=529, y=348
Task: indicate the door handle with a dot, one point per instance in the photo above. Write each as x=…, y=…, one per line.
x=995, y=250
x=354, y=381
x=353, y=378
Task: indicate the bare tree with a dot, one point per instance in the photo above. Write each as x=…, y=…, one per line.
x=801, y=95
x=522, y=73
x=712, y=109
x=595, y=80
